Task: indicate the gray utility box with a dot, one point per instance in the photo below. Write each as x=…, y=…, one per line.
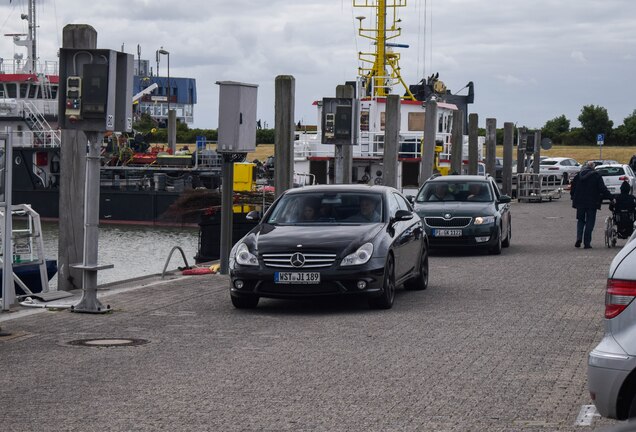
x=237, y=117
x=95, y=91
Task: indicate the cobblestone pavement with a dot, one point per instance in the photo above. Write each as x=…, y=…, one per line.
x=497, y=343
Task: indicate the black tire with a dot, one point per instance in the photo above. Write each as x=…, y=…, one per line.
x=420, y=281
x=631, y=414
x=565, y=178
x=506, y=243
x=496, y=249
x=385, y=301
x=244, y=302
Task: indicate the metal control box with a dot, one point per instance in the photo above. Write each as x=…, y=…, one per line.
x=337, y=121
x=237, y=117
x=95, y=92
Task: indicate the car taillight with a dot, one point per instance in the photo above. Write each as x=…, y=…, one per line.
x=623, y=178
x=620, y=293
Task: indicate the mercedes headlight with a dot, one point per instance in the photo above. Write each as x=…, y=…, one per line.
x=244, y=256
x=483, y=220
x=360, y=256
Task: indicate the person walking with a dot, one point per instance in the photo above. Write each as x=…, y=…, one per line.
x=587, y=191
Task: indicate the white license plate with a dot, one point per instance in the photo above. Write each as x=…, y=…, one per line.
x=447, y=233
x=297, y=277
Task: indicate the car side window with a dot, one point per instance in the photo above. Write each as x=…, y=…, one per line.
x=403, y=204
x=495, y=190
x=393, y=205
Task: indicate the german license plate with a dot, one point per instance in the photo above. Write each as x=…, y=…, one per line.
x=447, y=233
x=297, y=277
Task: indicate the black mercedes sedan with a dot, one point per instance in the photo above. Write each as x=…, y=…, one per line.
x=331, y=240
x=465, y=211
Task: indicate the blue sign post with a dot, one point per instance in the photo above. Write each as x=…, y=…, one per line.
x=600, y=140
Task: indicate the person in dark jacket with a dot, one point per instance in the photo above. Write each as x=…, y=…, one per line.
x=587, y=191
x=632, y=162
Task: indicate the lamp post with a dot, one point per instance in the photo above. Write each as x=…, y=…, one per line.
x=167, y=54
x=172, y=118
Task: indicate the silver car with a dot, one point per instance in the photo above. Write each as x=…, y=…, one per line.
x=611, y=371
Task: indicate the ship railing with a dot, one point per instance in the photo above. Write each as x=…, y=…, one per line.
x=39, y=126
x=26, y=138
x=14, y=66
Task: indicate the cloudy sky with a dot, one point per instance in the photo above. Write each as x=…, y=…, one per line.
x=531, y=61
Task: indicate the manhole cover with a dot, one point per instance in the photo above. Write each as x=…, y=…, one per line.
x=108, y=342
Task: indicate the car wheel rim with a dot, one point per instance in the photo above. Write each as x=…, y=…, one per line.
x=389, y=283
x=424, y=268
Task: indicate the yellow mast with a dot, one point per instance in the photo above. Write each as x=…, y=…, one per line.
x=378, y=81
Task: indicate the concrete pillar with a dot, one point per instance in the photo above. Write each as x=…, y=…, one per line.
x=391, y=141
x=428, y=152
x=473, y=143
x=72, y=179
x=285, y=87
x=457, y=142
x=491, y=145
x=506, y=186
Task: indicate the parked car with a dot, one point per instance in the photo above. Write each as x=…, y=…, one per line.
x=498, y=169
x=566, y=168
x=615, y=175
x=611, y=371
x=465, y=211
x=331, y=240
x=598, y=162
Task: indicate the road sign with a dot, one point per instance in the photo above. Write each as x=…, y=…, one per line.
x=600, y=139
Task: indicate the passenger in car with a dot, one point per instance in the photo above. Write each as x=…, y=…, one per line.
x=441, y=193
x=477, y=192
x=368, y=211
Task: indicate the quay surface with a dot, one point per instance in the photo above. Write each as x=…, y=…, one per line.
x=496, y=343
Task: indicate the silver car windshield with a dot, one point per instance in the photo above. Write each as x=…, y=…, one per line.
x=327, y=208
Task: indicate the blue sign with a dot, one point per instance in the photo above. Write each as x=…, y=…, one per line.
x=600, y=139
x=201, y=142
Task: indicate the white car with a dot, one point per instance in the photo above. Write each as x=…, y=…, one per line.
x=615, y=174
x=565, y=168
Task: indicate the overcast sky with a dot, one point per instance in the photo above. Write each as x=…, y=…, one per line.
x=531, y=61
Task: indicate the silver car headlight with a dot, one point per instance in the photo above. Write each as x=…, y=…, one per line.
x=484, y=220
x=244, y=256
x=360, y=256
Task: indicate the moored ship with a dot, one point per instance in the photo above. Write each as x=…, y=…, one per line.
x=140, y=183
x=379, y=76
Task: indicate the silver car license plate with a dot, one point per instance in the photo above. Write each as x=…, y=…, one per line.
x=447, y=233
x=297, y=277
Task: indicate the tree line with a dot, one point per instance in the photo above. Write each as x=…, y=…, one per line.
x=594, y=120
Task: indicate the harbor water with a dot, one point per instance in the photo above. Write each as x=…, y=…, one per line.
x=134, y=250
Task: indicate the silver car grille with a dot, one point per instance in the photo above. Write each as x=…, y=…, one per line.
x=456, y=222
x=311, y=260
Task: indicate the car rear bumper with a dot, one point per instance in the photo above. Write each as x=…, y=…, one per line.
x=606, y=373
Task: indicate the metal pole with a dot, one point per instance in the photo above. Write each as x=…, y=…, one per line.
x=343, y=154
x=8, y=295
x=89, y=302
